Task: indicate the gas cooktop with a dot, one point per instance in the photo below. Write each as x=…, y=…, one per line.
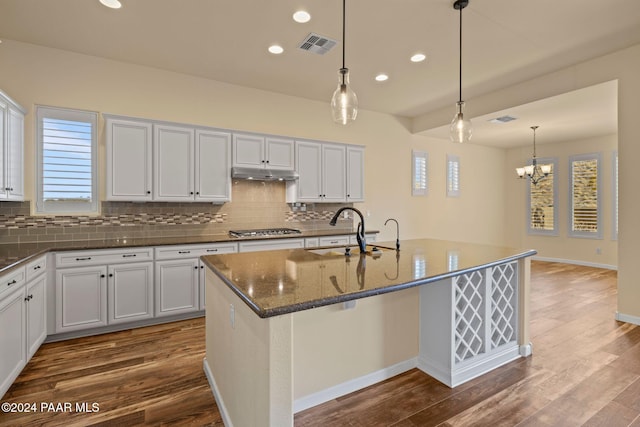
x=263, y=232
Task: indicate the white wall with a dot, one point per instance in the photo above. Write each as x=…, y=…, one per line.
x=37, y=75
x=562, y=247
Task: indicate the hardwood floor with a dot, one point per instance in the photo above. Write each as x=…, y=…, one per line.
x=585, y=371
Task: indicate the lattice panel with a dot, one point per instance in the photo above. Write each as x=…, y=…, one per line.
x=469, y=316
x=504, y=301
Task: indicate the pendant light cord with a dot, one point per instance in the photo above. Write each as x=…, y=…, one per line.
x=344, y=41
x=460, y=52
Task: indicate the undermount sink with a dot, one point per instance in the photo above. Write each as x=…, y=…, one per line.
x=372, y=250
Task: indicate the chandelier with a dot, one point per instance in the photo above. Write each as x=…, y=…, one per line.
x=534, y=171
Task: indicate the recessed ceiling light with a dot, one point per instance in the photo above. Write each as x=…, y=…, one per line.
x=276, y=49
x=301, y=16
x=113, y=4
x=381, y=77
x=418, y=57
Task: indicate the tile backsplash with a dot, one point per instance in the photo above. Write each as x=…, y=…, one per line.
x=253, y=205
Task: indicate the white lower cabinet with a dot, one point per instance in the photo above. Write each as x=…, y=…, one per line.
x=177, y=286
x=36, y=299
x=130, y=292
x=81, y=298
x=270, y=245
x=13, y=355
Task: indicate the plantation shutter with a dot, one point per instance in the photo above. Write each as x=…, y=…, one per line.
x=585, y=209
x=419, y=159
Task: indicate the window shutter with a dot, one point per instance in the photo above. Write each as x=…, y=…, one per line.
x=453, y=176
x=543, y=202
x=419, y=167
x=585, y=206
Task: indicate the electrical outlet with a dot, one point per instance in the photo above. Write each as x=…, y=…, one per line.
x=232, y=316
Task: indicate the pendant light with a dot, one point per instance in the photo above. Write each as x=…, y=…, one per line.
x=460, y=130
x=344, y=103
x=534, y=171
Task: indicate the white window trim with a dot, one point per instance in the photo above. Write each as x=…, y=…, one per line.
x=537, y=231
x=614, y=192
x=452, y=192
x=67, y=208
x=424, y=156
x=586, y=234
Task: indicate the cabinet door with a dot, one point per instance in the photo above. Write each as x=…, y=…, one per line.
x=15, y=154
x=248, y=151
x=4, y=192
x=129, y=160
x=130, y=292
x=309, y=167
x=280, y=153
x=334, y=173
x=174, y=164
x=12, y=338
x=81, y=298
x=213, y=166
x=36, y=299
x=355, y=174
x=177, y=286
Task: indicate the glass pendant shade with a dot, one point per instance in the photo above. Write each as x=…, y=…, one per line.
x=344, y=103
x=461, y=128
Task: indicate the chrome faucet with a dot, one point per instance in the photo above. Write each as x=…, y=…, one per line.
x=362, y=243
x=397, y=232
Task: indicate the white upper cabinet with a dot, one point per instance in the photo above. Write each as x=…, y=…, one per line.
x=322, y=170
x=173, y=164
x=11, y=150
x=213, y=170
x=355, y=174
x=149, y=161
x=129, y=160
x=263, y=152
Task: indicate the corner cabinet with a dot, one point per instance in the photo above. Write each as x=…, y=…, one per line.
x=129, y=160
x=11, y=149
x=257, y=151
x=149, y=161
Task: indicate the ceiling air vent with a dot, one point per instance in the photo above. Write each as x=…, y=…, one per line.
x=503, y=119
x=317, y=44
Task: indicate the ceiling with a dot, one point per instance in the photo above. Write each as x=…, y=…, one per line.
x=505, y=42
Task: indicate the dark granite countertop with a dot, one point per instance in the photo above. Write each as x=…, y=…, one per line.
x=13, y=255
x=285, y=281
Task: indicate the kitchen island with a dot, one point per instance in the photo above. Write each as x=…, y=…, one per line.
x=290, y=329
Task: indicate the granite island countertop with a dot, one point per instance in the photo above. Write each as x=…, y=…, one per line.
x=13, y=255
x=285, y=281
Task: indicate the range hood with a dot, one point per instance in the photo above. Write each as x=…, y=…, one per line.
x=259, y=174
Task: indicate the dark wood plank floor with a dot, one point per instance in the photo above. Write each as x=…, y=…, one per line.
x=585, y=371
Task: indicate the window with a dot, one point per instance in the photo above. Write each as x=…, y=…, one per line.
x=419, y=167
x=615, y=196
x=543, y=201
x=584, y=180
x=453, y=176
x=66, y=155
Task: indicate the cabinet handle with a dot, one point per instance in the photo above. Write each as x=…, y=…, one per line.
x=196, y=267
x=83, y=259
x=184, y=252
x=267, y=161
x=13, y=282
x=212, y=250
x=110, y=274
x=348, y=195
x=262, y=161
x=197, y=193
x=102, y=275
x=191, y=193
x=202, y=266
x=148, y=192
x=28, y=297
x=334, y=242
x=37, y=267
x=128, y=255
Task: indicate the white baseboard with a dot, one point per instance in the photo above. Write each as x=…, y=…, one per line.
x=576, y=262
x=526, y=350
x=224, y=414
x=350, y=386
x=635, y=320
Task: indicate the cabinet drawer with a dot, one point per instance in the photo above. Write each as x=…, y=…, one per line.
x=36, y=267
x=369, y=237
x=12, y=280
x=102, y=257
x=194, y=251
x=269, y=245
x=334, y=240
x=311, y=242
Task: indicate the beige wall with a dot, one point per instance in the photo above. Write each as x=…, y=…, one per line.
x=36, y=75
x=563, y=247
